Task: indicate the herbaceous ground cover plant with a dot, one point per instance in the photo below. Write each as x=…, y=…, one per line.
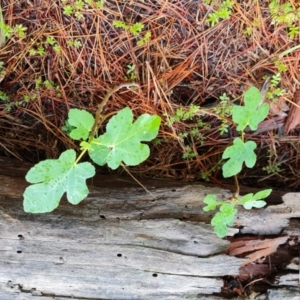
x=239, y=153
x=121, y=144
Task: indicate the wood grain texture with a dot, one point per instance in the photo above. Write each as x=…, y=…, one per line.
x=121, y=243
x=112, y=260
x=118, y=244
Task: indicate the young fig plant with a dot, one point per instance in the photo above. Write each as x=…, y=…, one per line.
x=121, y=144
x=239, y=153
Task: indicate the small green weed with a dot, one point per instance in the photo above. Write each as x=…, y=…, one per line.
x=184, y=114
x=77, y=7
x=74, y=43
x=196, y=135
x=241, y=152
x=145, y=39
x=272, y=168
x=40, y=50
x=47, y=84
x=189, y=113
x=135, y=30
x=131, y=73
x=7, y=32
x=6, y=100
x=189, y=153
x=9, y=105
x=281, y=67
x=194, y=113
x=224, y=110
x=274, y=90
x=286, y=14
x=4, y=97
x=205, y=175
x=20, y=31
x=222, y=11
x=2, y=69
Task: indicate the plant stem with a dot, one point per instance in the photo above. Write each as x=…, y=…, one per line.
x=98, y=118
x=237, y=187
x=80, y=156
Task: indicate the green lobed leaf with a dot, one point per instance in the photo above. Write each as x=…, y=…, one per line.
x=254, y=203
x=83, y=122
x=221, y=230
x=238, y=153
x=258, y=196
x=122, y=140
x=52, y=178
x=211, y=201
x=223, y=219
x=228, y=212
x=252, y=113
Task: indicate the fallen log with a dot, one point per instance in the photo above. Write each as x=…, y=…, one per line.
x=124, y=243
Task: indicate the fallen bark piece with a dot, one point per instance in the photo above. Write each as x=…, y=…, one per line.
x=256, y=249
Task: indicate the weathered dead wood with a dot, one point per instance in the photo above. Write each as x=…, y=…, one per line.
x=103, y=248
x=177, y=202
x=121, y=243
x=273, y=219
x=106, y=260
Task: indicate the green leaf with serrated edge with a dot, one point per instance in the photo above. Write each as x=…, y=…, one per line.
x=122, y=140
x=254, y=203
x=83, y=122
x=238, y=153
x=51, y=178
x=251, y=114
x=211, y=202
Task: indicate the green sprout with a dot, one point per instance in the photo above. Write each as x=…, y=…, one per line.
x=239, y=153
